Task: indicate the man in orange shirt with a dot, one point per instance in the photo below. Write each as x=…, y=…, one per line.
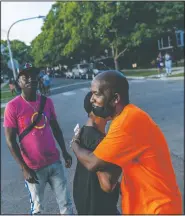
x=136, y=144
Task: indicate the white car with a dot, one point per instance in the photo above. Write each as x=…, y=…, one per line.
x=69, y=75
x=80, y=70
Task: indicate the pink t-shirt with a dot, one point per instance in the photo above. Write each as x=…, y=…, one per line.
x=38, y=147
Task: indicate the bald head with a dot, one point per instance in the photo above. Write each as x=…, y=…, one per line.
x=114, y=82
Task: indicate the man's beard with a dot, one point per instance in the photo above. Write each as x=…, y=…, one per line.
x=103, y=112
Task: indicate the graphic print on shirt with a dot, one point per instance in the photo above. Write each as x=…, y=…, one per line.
x=25, y=121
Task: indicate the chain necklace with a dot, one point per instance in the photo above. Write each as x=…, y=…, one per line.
x=29, y=103
x=36, y=113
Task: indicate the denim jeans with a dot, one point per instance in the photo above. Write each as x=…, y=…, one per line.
x=168, y=66
x=54, y=175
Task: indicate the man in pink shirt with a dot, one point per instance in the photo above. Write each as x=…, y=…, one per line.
x=37, y=153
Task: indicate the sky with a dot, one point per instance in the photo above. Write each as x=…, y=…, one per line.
x=25, y=31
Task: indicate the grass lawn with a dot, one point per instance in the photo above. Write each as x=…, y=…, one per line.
x=140, y=73
x=5, y=88
x=6, y=96
x=178, y=75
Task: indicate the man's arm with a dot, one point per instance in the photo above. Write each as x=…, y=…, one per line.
x=88, y=159
x=29, y=174
x=57, y=132
x=108, y=174
x=108, y=179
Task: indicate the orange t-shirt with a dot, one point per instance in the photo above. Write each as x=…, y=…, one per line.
x=136, y=144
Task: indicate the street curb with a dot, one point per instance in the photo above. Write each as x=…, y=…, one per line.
x=154, y=78
x=152, y=69
x=166, y=78
x=173, y=78
x=133, y=77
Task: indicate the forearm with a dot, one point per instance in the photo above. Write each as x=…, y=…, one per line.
x=85, y=157
x=16, y=153
x=108, y=179
x=104, y=180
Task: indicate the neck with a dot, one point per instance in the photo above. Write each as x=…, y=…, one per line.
x=92, y=123
x=119, y=109
x=32, y=96
x=101, y=127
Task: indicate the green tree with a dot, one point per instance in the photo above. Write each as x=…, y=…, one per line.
x=80, y=30
x=20, y=51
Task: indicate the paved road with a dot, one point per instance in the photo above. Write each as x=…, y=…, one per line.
x=163, y=100
x=63, y=81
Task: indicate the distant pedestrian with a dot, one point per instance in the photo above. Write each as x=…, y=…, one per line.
x=12, y=87
x=160, y=64
x=41, y=84
x=168, y=63
x=46, y=82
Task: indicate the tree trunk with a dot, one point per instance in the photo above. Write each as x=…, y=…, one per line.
x=116, y=64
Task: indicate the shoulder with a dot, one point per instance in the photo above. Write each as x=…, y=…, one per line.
x=14, y=102
x=49, y=100
x=12, y=109
x=130, y=118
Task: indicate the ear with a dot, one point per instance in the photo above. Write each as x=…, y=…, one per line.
x=117, y=98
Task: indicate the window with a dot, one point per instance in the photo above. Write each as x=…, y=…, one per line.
x=180, y=38
x=165, y=43
x=84, y=66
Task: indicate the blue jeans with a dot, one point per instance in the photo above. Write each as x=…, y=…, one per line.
x=168, y=66
x=54, y=175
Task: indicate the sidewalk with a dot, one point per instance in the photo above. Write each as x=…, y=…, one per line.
x=152, y=69
x=3, y=84
x=156, y=76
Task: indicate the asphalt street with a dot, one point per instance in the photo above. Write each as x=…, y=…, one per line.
x=162, y=99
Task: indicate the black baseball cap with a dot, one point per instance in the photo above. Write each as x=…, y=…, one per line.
x=29, y=69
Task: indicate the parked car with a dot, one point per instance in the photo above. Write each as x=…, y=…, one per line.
x=68, y=75
x=95, y=69
x=80, y=70
x=56, y=74
x=59, y=73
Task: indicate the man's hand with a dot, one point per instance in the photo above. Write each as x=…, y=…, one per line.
x=76, y=138
x=30, y=175
x=68, y=159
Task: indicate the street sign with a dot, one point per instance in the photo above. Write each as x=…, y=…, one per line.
x=16, y=64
